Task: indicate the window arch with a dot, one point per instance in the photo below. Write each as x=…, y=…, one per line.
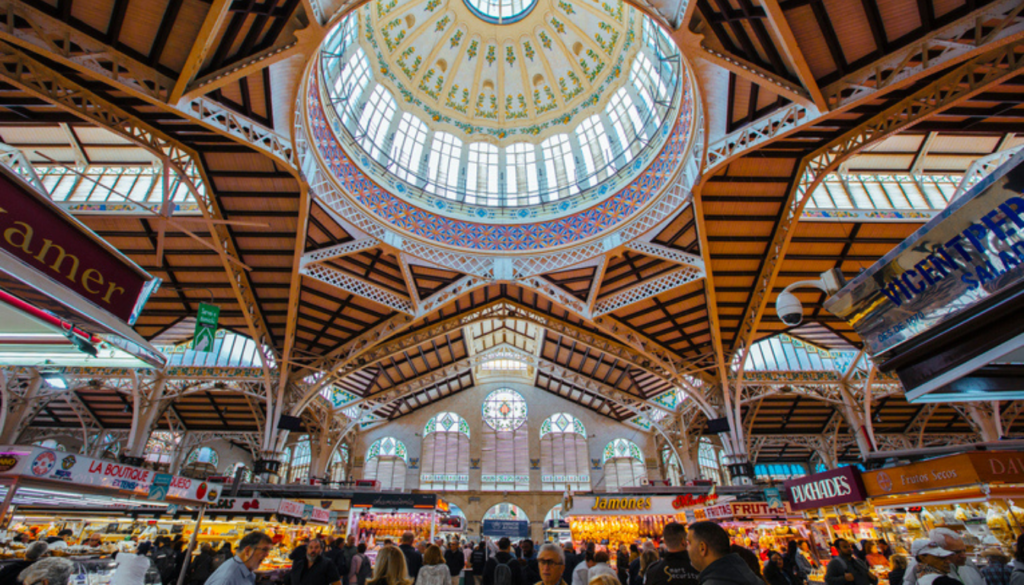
x=444, y=461
x=505, y=511
x=337, y=471
x=300, y=461
x=50, y=444
x=203, y=455
x=506, y=466
x=160, y=448
x=387, y=461
x=623, y=464
x=710, y=461
x=563, y=453
x=673, y=468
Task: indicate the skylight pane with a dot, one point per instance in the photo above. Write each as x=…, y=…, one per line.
x=444, y=165
x=559, y=166
x=373, y=124
x=407, y=148
x=521, y=175
x=841, y=199
x=914, y=195
x=482, y=174
x=876, y=192
x=935, y=197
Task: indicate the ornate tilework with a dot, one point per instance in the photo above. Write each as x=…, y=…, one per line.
x=504, y=410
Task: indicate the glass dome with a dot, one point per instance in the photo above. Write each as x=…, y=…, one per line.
x=501, y=11
x=423, y=104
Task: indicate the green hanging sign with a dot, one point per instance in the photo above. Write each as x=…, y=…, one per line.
x=206, y=327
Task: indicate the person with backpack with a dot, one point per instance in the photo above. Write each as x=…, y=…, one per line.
x=846, y=568
x=359, y=569
x=413, y=557
x=201, y=567
x=163, y=558
x=336, y=554
x=503, y=569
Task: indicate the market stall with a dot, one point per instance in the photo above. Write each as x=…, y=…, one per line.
x=759, y=526
x=624, y=519
x=375, y=518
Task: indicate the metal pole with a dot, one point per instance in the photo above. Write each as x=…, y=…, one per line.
x=7, y=502
x=191, y=546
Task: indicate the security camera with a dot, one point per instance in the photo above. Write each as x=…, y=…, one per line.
x=789, y=308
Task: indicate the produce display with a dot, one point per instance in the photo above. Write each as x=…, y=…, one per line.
x=382, y=525
x=617, y=530
x=762, y=536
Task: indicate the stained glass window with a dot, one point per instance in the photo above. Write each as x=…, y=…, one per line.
x=623, y=464
x=445, y=457
x=203, y=455
x=387, y=461
x=504, y=410
x=563, y=454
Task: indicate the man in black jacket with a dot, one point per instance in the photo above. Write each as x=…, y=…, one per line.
x=708, y=544
x=503, y=557
x=674, y=568
x=455, y=559
x=413, y=558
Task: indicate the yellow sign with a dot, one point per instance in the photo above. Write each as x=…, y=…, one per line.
x=603, y=503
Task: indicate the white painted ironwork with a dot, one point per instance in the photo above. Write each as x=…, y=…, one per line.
x=647, y=289
x=358, y=287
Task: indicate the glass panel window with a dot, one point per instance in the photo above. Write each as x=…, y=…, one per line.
x=482, y=174
x=374, y=123
x=349, y=86
x=445, y=456
x=597, y=150
x=627, y=123
x=407, y=148
x=506, y=465
x=559, y=166
x=522, y=186
x=444, y=165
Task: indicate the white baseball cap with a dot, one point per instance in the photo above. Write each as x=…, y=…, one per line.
x=924, y=546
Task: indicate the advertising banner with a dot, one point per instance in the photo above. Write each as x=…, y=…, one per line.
x=291, y=509
x=422, y=501
x=38, y=463
x=742, y=510
x=509, y=528
x=56, y=245
x=247, y=505
x=615, y=505
x=971, y=251
x=946, y=472
x=830, y=488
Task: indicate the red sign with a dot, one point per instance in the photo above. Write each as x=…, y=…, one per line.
x=54, y=244
x=684, y=500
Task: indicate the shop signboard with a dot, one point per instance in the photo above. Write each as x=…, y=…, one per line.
x=160, y=486
x=618, y=505
x=829, y=488
x=509, y=528
x=741, y=510
x=247, y=505
x=54, y=244
x=320, y=515
x=393, y=501
x=291, y=508
x=946, y=472
x=41, y=464
x=968, y=253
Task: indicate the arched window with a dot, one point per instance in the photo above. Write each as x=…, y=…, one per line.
x=597, y=151
x=623, y=465
x=563, y=454
x=203, y=455
x=282, y=472
x=506, y=511
x=709, y=461
x=375, y=120
x=50, y=444
x=559, y=166
x=444, y=461
x=482, y=174
x=443, y=165
x=160, y=448
x=387, y=461
x=407, y=148
x=506, y=461
x=300, y=463
x=336, y=472
x=673, y=468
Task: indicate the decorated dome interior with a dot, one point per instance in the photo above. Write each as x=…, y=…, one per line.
x=457, y=115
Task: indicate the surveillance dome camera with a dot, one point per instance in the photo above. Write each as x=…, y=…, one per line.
x=789, y=308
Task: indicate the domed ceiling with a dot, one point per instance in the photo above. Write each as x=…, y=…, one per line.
x=501, y=82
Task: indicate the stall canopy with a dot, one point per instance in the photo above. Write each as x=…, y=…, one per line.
x=51, y=262
x=44, y=469
x=943, y=309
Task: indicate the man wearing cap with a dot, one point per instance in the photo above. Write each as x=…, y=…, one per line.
x=934, y=563
x=960, y=569
x=847, y=569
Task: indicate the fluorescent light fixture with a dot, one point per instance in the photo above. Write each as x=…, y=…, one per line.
x=55, y=381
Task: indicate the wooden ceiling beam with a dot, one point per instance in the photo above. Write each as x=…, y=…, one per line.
x=780, y=26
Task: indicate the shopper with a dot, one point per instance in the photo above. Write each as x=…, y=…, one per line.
x=638, y=568
x=391, y=568
x=899, y=569
x=350, y=549
x=313, y=568
x=601, y=566
x=201, y=567
x=35, y=551
x=579, y=574
x=478, y=560
x=238, y=570
x=336, y=554
x=749, y=557
x=874, y=557
x=934, y=563
x=675, y=567
x=163, y=558
x=605, y=579
x=59, y=541
x=413, y=557
x=775, y=571
x=502, y=568
x=528, y=562
x=1017, y=574
x=456, y=561
x=960, y=568
x=53, y=571
x=622, y=564
x=571, y=559
x=550, y=564
x=434, y=570
x=996, y=571
x=847, y=568
x=708, y=545
x=359, y=569
x=299, y=551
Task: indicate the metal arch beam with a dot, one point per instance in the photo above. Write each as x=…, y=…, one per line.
x=339, y=250
x=101, y=61
x=960, y=84
x=31, y=76
x=756, y=75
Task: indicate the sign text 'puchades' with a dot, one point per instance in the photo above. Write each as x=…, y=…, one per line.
x=603, y=503
x=832, y=487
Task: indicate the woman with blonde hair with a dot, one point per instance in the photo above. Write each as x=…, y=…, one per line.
x=434, y=570
x=605, y=579
x=390, y=568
